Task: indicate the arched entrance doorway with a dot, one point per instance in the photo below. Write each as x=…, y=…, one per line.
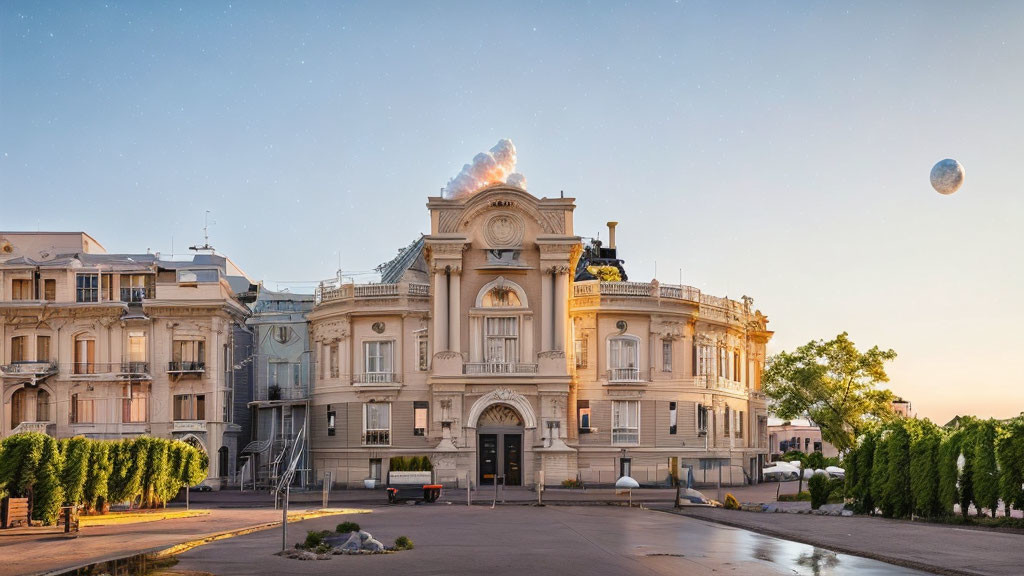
x=500, y=445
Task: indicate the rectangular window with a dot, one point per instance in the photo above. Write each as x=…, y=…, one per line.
x=422, y=355
x=625, y=467
x=85, y=356
x=736, y=366
x=227, y=406
x=723, y=363
x=82, y=411
x=136, y=352
x=87, y=288
x=580, y=351
x=739, y=423
x=50, y=290
x=18, y=349
x=583, y=413
x=42, y=348
x=376, y=424
x=702, y=419
x=378, y=357
x=334, y=361
x=21, y=290
x=134, y=403
x=817, y=446
x=728, y=417
x=375, y=468
x=626, y=422
x=666, y=355
x=705, y=360
x=501, y=340
x=331, y=420
x=190, y=407
x=188, y=355
x=672, y=418
x=189, y=277
x=419, y=410
x=133, y=288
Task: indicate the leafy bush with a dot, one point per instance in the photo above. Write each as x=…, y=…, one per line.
x=986, y=474
x=819, y=487
x=1010, y=456
x=571, y=483
x=804, y=496
x=403, y=543
x=410, y=464
x=731, y=503
x=47, y=493
x=924, y=471
x=322, y=548
x=347, y=527
x=314, y=538
x=605, y=273
x=75, y=469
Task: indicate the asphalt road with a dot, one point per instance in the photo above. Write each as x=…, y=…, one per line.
x=585, y=540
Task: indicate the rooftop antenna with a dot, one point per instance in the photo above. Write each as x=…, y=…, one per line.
x=206, y=234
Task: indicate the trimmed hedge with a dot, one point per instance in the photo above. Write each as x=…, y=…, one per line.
x=80, y=471
x=912, y=467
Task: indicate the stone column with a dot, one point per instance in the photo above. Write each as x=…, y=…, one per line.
x=454, y=313
x=440, y=334
x=546, y=297
x=561, y=310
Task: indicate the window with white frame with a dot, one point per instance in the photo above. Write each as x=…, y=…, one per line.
x=377, y=424
x=379, y=361
x=702, y=419
x=624, y=359
x=501, y=340
x=87, y=288
x=419, y=418
x=580, y=352
x=666, y=355
x=723, y=362
x=626, y=422
x=705, y=359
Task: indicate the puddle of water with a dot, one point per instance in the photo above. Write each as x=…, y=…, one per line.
x=807, y=560
x=139, y=565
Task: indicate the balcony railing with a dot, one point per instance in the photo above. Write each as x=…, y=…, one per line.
x=41, y=427
x=376, y=378
x=498, y=368
x=377, y=438
x=186, y=367
x=625, y=375
x=135, y=368
x=28, y=368
x=327, y=292
x=636, y=289
x=134, y=295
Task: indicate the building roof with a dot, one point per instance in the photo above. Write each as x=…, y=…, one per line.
x=391, y=272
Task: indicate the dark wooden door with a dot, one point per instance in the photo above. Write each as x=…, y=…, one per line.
x=488, y=458
x=513, y=459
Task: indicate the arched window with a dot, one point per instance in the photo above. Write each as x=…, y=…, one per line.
x=624, y=359
x=42, y=406
x=19, y=407
x=501, y=309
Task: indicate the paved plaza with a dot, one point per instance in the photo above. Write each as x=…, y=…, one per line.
x=585, y=540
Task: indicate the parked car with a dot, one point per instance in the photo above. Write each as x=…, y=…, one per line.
x=780, y=472
x=835, y=472
x=201, y=488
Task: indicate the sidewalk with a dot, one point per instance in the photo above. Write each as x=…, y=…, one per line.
x=942, y=549
x=40, y=553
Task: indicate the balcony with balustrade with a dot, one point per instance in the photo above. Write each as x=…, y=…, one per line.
x=376, y=378
x=503, y=368
x=377, y=438
x=186, y=367
x=711, y=307
x=626, y=376
x=28, y=370
x=328, y=292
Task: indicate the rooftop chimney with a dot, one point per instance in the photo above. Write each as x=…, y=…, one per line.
x=611, y=234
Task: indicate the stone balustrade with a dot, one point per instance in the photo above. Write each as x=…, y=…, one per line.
x=327, y=293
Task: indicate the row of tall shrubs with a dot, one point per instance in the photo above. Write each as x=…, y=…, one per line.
x=410, y=464
x=913, y=467
x=51, y=473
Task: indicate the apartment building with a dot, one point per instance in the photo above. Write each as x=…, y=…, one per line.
x=114, y=345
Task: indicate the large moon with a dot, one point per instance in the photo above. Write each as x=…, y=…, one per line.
x=947, y=176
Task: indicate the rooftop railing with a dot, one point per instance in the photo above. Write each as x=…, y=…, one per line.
x=499, y=368
x=327, y=292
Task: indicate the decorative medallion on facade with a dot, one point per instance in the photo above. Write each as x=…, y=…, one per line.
x=504, y=230
x=378, y=327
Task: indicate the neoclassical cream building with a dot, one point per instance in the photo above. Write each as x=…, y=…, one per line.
x=489, y=347
x=121, y=345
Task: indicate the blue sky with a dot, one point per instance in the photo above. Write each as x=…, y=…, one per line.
x=779, y=150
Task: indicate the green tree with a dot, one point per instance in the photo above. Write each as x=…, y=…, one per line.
x=22, y=454
x=966, y=473
x=897, y=500
x=924, y=470
x=984, y=469
x=75, y=469
x=833, y=384
x=879, y=470
x=1010, y=455
x=859, y=472
x=949, y=473
x=128, y=460
x=94, y=493
x=48, y=494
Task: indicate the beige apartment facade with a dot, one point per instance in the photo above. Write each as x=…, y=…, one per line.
x=115, y=345
x=490, y=348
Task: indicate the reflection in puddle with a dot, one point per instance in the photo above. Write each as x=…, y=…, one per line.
x=803, y=559
x=817, y=560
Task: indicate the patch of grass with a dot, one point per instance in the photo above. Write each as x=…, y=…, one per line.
x=347, y=527
x=801, y=497
x=403, y=543
x=322, y=548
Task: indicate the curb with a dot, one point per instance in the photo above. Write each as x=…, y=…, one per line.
x=160, y=552
x=934, y=569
